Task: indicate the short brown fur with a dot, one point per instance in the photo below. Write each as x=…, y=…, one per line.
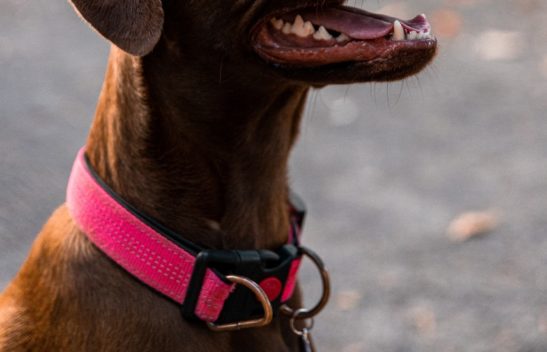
x=197, y=134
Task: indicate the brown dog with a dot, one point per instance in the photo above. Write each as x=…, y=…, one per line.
x=200, y=107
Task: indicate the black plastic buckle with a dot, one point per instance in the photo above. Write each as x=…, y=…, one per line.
x=240, y=262
x=255, y=265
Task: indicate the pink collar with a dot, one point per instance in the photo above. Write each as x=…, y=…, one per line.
x=168, y=266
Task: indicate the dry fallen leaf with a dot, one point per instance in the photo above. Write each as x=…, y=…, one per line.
x=348, y=299
x=472, y=224
x=495, y=45
x=446, y=23
x=528, y=6
x=424, y=320
x=354, y=347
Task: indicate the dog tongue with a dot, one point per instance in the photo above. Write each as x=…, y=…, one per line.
x=360, y=24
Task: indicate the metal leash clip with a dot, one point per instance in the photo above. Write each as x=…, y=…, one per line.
x=304, y=336
x=304, y=313
x=307, y=315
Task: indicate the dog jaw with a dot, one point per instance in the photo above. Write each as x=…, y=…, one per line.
x=343, y=45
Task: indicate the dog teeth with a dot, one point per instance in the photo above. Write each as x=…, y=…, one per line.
x=287, y=27
x=308, y=29
x=304, y=29
x=277, y=23
x=342, y=38
x=322, y=34
x=400, y=33
x=300, y=28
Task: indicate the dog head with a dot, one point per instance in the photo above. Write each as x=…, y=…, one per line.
x=312, y=41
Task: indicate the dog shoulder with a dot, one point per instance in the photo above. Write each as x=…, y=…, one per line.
x=31, y=301
x=14, y=325
x=67, y=287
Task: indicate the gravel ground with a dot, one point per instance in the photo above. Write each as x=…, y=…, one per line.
x=384, y=169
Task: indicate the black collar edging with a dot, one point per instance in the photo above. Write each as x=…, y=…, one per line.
x=256, y=265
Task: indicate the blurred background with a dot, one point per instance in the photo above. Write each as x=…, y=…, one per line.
x=427, y=198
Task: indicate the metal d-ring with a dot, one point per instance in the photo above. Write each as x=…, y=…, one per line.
x=306, y=328
x=261, y=296
x=304, y=313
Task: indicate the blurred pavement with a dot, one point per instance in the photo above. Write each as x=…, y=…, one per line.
x=383, y=167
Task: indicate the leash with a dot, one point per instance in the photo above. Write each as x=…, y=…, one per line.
x=227, y=289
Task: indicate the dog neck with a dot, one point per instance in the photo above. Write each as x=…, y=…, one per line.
x=202, y=149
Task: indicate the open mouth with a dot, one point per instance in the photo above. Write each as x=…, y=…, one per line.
x=312, y=37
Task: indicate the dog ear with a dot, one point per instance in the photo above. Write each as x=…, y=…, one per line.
x=134, y=26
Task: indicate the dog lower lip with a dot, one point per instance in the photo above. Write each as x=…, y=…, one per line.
x=310, y=37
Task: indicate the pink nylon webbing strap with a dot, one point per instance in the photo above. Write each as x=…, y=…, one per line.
x=138, y=248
